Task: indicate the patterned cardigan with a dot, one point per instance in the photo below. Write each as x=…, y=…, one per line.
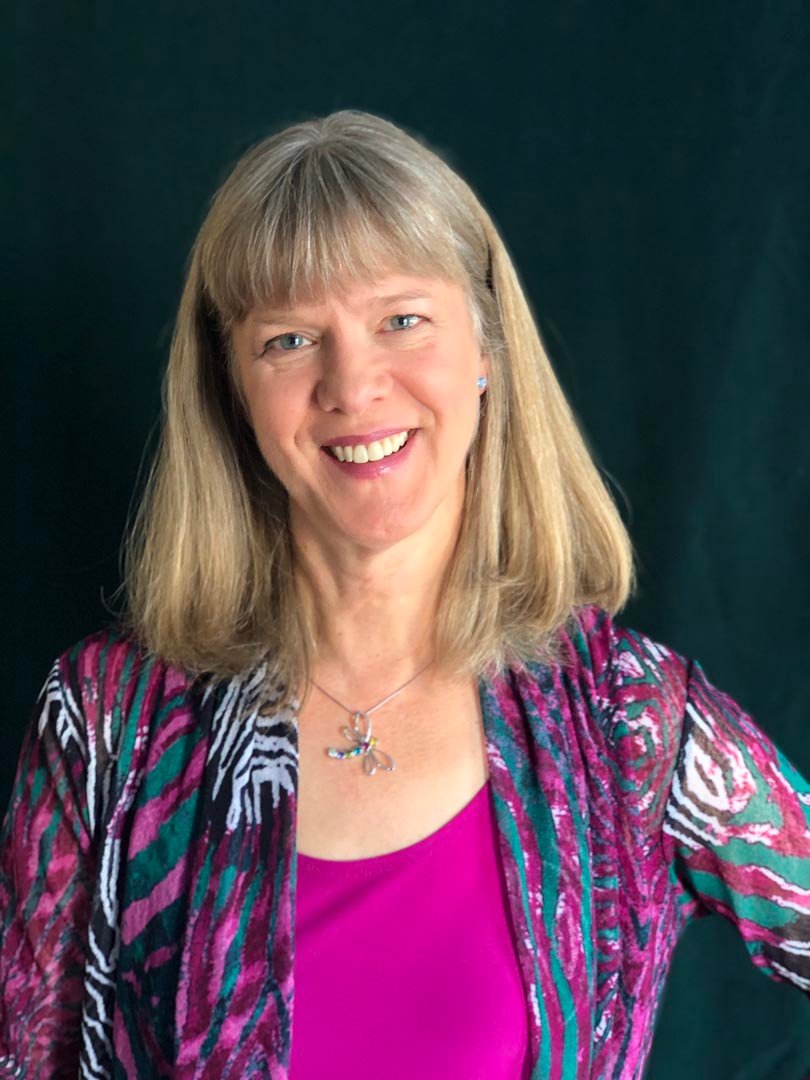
x=148, y=858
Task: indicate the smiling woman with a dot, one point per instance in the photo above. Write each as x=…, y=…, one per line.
x=369, y=731
x=321, y=238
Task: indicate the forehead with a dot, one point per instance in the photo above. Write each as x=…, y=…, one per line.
x=358, y=297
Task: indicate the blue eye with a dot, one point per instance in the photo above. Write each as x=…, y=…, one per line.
x=282, y=337
x=411, y=316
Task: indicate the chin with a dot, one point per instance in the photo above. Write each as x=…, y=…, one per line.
x=385, y=531
x=378, y=539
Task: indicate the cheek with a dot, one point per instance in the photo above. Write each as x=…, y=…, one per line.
x=275, y=409
x=447, y=375
x=272, y=427
x=454, y=390
x=268, y=421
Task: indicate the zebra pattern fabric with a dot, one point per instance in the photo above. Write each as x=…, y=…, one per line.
x=148, y=858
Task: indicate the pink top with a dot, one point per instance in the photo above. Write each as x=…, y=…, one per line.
x=405, y=963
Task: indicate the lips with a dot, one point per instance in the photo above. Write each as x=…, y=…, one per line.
x=368, y=437
x=367, y=470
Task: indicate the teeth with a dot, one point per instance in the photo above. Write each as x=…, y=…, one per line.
x=375, y=451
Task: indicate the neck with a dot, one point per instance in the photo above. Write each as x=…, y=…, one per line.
x=373, y=612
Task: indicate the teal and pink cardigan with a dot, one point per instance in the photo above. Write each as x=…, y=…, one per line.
x=148, y=858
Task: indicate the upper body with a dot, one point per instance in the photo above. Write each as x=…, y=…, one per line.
x=371, y=495
x=149, y=858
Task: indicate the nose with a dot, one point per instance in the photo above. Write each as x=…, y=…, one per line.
x=354, y=374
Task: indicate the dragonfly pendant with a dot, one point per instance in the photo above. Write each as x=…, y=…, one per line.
x=365, y=746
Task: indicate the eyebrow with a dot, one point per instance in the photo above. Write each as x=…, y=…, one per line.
x=274, y=316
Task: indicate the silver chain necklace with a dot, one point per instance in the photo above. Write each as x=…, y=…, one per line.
x=365, y=744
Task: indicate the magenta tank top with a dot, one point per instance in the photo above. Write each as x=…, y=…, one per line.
x=405, y=963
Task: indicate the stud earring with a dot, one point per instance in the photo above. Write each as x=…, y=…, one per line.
x=482, y=382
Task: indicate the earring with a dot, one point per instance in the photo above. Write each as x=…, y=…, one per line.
x=482, y=382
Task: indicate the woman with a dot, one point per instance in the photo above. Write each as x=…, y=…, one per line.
x=370, y=783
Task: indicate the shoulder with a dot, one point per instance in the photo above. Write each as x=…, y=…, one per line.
x=620, y=663
x=108, y=677
x=110, y=649
x=625, y=693
x=99, y=715
x=648, y=705
x=113, y=656
x=109, y=680
x=606, y=659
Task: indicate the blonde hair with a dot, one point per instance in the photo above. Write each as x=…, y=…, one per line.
x=209, y=560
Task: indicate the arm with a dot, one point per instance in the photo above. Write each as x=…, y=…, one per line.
x=736, y=829
x=46, y=875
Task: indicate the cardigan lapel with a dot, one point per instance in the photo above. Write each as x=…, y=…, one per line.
x=540, y=812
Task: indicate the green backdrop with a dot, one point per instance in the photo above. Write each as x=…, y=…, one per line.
x=648, y=168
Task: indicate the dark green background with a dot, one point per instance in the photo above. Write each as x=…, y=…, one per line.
x=648, y=168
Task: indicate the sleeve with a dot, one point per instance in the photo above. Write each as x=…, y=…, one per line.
x=45, y=891
x=736, y=829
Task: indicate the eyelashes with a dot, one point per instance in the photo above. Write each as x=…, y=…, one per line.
x=280, y=337
x=268, y=345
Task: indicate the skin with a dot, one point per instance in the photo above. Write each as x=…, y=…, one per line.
x=372, y=553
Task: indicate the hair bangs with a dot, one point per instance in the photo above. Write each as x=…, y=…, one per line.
x=323, y=226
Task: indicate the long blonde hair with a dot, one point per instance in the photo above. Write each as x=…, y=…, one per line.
x=209, y=559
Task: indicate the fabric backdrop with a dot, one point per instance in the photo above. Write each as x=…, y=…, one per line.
x=648, y=168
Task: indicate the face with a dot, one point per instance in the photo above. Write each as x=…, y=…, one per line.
x=353, y=371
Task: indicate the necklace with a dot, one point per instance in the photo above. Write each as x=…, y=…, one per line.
x=365, y=744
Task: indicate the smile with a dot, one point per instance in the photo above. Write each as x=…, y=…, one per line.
x=374, y=451
x=374, y=460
